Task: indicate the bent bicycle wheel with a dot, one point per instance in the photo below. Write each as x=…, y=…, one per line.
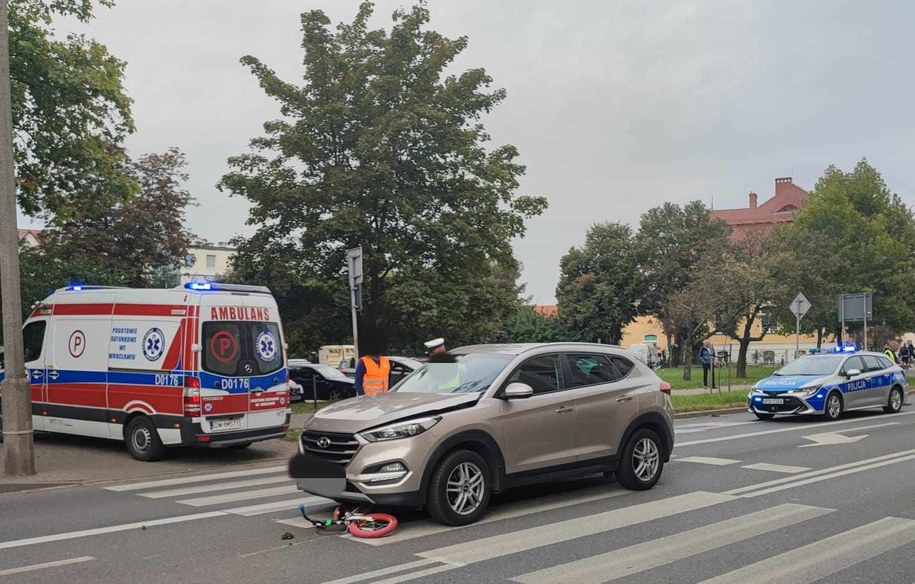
x=376, y=525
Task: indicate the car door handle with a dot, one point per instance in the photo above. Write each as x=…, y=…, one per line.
x=624, y=398
x=565, y=410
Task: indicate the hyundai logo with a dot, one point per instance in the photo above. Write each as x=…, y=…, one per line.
x=323, y=441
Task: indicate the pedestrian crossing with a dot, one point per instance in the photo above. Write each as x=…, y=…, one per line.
x=726, y=525
x=248, y=493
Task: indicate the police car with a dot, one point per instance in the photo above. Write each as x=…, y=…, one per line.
x=828, y=384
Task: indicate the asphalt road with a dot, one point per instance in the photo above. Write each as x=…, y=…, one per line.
x=791, y=500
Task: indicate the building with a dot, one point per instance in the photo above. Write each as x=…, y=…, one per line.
x=760, y=219
x=207, y=262
x=30, y=237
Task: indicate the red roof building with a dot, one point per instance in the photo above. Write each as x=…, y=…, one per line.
x=787, y=200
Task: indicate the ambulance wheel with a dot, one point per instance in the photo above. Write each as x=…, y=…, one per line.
x=143, y=441
x=833, y=408
x=764, y=416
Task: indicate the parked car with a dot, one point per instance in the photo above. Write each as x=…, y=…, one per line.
x=331, y=384
x=400, y=368
x=503, y=415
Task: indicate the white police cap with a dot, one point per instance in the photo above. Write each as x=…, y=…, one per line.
x=434, y=343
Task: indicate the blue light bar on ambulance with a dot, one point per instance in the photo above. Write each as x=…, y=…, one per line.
x=219, y=286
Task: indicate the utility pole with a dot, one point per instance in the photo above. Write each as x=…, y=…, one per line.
x=15, y=389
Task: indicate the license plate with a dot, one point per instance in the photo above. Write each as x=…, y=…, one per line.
x=775, y=401
x=230, y=424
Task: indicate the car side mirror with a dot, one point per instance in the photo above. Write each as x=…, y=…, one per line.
x=518, y=391
x=852, y=373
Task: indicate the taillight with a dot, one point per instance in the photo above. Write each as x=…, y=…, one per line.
x=191, y=396
x=665, y=387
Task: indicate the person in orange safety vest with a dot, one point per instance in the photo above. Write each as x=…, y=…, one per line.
x=373, y=375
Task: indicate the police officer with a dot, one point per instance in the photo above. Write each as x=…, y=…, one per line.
x=435, y=346
x=890, y=351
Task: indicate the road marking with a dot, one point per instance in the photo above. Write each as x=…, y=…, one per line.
x=212, y=488
x=708, y=460
x=415, y=575
x=820, y=425
x=243, y=496
x=631, y=560
x=46, y=565
x=383, y=572
x=834, y=475
x=309, y=502
x=4, y=545
x=821, y=559
x=197, y=479
x=776, y=468
x=501, y=513
x=829, y=472
x=829, y=438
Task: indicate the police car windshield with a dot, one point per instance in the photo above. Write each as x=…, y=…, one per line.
x=471, y=373
x=812, y=365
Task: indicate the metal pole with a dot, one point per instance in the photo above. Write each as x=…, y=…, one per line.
x=355, y=323
x=15, y=389
x=314, y=390
x=797, y=330
x=865, y=322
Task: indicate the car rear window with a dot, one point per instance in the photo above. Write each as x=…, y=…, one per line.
x=885, y=362
x=872, y=363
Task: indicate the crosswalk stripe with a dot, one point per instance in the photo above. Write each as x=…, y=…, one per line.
x=243, y=496
x=46, y=565
x=383, y=572
x=666, y=550
x=535, y=537
x=708, y=460
x=777, y=468
x=825, y=557
x=263, y=508
x=196, y=479
x=209, y=488
x=509, y=511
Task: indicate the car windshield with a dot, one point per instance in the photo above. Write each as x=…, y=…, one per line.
x=330, y=373
x=824, y=365
x=471, y=373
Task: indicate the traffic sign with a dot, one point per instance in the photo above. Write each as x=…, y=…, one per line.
x=800, y=305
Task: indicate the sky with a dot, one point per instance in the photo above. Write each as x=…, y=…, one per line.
x=615, y=106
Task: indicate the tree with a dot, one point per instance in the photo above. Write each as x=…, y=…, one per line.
x=70, y=111
x=133, y=243
x=870, y=231
x=526, y=325
x=672, y=241
x=380, y=148
x=600, y=284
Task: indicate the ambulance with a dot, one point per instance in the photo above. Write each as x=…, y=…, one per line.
x=199, y=365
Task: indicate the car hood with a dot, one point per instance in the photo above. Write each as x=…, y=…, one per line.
x=369, y=411
x=777, y=383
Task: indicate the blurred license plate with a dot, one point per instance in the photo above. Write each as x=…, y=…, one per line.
x=775, y=401
x=230, y=424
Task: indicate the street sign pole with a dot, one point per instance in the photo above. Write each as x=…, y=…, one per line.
x=16, y=391
x=797, y=331
x=799, y=306
x=354, y=267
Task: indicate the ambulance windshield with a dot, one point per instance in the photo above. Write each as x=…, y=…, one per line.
x=241, y=349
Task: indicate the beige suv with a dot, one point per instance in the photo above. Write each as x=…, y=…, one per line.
x=499, y=416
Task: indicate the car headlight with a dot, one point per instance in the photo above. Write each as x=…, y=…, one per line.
x=406, y=429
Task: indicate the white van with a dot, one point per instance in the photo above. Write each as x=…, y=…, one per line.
x=203, y=364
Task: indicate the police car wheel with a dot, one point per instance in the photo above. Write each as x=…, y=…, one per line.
x=895, y=402
x=833, y=408
x=143, y=441
x=764, y=416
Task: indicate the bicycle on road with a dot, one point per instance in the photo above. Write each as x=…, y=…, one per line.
x=357, y=522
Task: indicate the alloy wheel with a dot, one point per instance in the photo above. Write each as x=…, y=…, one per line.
x=464, y=488
x=646, y=459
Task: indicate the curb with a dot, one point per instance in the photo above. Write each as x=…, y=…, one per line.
x=701, y=413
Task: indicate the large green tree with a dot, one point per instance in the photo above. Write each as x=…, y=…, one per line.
x=870, y=233
x=600, y=284
x=382, y=147
x=673, y=241
x=70, y=111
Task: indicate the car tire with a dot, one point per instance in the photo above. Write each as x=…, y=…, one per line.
x=335, y=395
x=897, y=398
x=143, y=441
x=764, y=416
x=642, y=461
x=832, y=408
x=461, y=469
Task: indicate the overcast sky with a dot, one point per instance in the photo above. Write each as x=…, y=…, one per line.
x=615, y=106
